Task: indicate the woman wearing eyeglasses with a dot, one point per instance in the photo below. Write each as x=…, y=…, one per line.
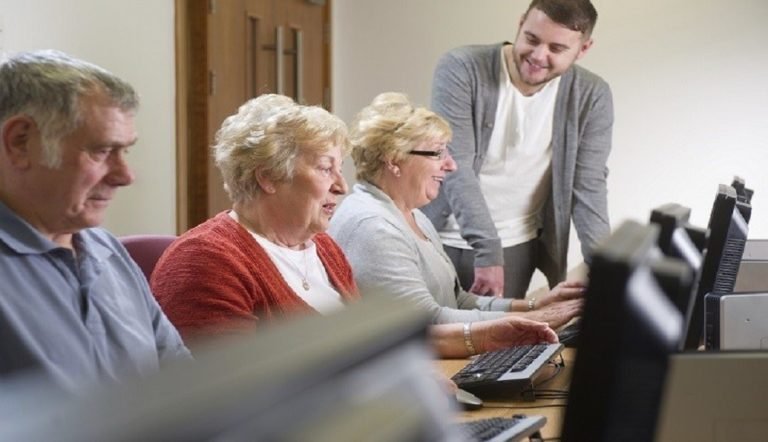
x=401, y=159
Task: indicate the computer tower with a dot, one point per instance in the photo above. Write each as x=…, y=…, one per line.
x=753, y=270
x=736, y=321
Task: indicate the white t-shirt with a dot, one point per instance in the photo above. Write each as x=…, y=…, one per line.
x=300, y=266
x=515, y=176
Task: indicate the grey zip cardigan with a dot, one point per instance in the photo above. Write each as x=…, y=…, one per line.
x=465, y=92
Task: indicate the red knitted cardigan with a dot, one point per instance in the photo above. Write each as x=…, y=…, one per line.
x=216, y=279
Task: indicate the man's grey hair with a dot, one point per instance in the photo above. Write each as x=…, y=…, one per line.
x=48, y=85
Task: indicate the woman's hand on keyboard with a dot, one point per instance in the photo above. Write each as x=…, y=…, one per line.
x=562, y=292
x=497, y=334
x=558, y=313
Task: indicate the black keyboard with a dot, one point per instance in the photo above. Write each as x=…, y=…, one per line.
x=505, y=371
x=498, y=429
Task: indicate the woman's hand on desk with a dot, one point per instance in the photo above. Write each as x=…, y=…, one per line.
x=497, y=334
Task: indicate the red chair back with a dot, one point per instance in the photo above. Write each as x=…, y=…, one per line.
x=146, y=249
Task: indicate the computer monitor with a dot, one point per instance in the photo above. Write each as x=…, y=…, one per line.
x=679, y=239
x=742, y=192
x=361, y=374
x=728, y=226
x=629, y=329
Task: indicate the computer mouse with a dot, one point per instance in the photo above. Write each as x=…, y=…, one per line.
x=569, y=336
x=467, y=400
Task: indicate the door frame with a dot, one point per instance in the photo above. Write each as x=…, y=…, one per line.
x=192, y=90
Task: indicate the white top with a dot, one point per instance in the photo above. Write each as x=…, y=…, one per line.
x=515, y=176
x=300, y=266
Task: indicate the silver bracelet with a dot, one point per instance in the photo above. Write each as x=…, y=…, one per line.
x=531, y=304
x=468, y=339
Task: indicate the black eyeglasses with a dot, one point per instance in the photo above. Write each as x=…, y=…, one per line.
x=439, y=154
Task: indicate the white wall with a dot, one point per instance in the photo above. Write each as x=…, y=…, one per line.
x=135, y=40
x=688, y=78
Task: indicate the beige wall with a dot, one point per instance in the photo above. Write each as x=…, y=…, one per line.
x=134, y=39
x=688, y=78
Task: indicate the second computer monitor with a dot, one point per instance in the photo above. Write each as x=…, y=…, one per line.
x=728, y=227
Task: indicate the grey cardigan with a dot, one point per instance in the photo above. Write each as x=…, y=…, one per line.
x=385, y=258
x=465, y=92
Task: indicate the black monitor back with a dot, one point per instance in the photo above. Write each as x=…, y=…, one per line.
x=728, y=228
x=629, y=328
x=673, y=220
x=681, y=240
x=742, y=192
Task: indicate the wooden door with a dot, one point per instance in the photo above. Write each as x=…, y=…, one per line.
x=247, y=48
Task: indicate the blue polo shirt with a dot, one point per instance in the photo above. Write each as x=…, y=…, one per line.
x=81, y=318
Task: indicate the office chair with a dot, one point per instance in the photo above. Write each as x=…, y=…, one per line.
x=146, y=249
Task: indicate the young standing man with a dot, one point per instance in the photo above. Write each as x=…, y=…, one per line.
x=531, y=137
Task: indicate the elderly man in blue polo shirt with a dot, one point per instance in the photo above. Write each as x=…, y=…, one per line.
x=73, y=304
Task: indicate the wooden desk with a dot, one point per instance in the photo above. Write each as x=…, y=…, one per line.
x=552, y=409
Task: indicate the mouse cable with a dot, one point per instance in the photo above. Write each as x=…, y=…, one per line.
x=558, y=367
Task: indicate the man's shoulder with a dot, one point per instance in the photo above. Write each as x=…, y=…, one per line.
x=475, y=52
x=477, y=49
x=584, y=77
x=104, y=245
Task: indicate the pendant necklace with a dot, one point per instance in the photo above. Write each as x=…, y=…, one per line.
x=288, y=258
x=304, y=282
x=302, y=275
